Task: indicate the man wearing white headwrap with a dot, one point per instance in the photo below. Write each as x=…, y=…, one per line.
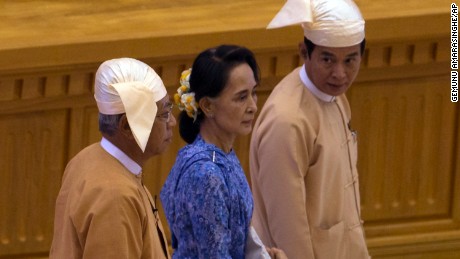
x=103, y=209
x=303, y=151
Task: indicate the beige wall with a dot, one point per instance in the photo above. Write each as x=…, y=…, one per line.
x=409, y=146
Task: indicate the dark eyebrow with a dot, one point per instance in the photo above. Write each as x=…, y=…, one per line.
x=245, y=91
x=352, y=55
x=325, y=53
x=241, y=92
x=329, y=54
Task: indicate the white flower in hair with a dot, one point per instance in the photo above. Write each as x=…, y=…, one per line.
x=185, y=99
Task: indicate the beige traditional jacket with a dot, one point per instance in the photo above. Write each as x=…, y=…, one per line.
x=104, y=211
x=303, y=172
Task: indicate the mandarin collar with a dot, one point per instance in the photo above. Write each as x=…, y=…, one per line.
x=313, y=89
x=124, y=159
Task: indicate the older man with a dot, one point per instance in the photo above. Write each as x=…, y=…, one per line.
x=103, y=209
x=303, y=151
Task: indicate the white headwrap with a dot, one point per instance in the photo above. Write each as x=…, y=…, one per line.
x=328, y=23
x=129, y=86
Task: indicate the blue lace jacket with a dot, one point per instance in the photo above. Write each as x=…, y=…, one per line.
x=208, y=203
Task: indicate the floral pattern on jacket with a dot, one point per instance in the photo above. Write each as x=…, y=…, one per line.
x=207, y=202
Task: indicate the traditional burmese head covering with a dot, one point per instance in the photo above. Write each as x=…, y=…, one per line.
x=328, y=23
x=127, y=85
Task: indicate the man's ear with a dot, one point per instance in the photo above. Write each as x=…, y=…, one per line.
x=303, y=50
x=123, y=127
x=207, y=106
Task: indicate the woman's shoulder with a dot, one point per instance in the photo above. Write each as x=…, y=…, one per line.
x=198, y=146
x=203, y=169
x=202, y=162
x=199, y=152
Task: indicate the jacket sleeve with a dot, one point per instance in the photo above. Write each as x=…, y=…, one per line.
x=282, y=156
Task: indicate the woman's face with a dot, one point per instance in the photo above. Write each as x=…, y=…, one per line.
x=234, y=109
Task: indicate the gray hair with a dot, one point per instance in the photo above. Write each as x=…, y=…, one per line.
x=108, y=124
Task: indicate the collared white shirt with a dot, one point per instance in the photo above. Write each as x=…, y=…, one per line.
x=312, y=87
x=125, y=160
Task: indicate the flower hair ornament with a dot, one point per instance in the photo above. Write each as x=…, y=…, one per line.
x=185, y=99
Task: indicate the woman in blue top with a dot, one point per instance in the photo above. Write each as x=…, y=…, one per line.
x=207, y=200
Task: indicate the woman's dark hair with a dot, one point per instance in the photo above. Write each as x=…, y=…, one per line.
x=210, y=73
x=311, y=46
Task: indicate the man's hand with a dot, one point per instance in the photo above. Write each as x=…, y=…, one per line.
x=276, y=253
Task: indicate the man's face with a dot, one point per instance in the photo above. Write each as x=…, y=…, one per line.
x=161, y=134
x=333, y=70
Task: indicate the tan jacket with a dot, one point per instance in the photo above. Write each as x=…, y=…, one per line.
x=304, y=178
x=104, y=211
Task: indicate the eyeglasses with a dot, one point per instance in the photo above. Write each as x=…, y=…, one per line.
x=166, y=116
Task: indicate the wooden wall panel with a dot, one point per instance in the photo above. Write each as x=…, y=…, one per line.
x=8, y=90
x=32, y=161
x=36, y=112
x=408, y=150
x=405, y=149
